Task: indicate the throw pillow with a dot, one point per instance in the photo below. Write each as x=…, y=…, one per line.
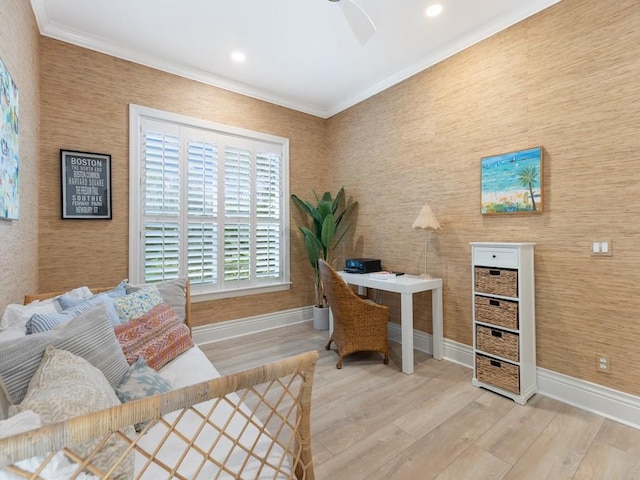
x=17, y=315
x=39, y=323
x=158, y=336
x=68, y=300
x=139, y=382
x=137, y=304
x=79, y=294
x=172, y=292
x=89, y=335
x=66, y=386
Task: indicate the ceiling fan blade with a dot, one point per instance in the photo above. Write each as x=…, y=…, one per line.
x=360, y=22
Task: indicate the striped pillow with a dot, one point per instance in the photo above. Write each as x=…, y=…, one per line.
x=43, y=322
x=158, y=336
x=89, y=335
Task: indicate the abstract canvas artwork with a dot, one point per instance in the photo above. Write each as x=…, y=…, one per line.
x=512, y=182
x=8, y=145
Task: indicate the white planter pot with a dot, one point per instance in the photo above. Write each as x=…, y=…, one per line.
x=321, y=318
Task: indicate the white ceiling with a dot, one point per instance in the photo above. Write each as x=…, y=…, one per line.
x=300, y=54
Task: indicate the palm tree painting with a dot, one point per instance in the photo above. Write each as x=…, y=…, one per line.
x=512, y=182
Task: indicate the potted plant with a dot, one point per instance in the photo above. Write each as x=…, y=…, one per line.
x=328, y=227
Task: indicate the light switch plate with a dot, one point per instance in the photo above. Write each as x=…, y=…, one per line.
x=601, y=248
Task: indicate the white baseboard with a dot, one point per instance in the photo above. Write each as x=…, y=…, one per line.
x=609, y=403
x=215, y=332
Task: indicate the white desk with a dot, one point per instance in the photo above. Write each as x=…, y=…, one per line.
x=406, y=286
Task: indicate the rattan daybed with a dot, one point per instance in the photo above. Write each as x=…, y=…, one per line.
x=253, y=424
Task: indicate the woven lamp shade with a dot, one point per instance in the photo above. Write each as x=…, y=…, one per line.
x=426, y=219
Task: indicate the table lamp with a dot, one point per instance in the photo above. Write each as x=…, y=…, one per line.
x=426, y=220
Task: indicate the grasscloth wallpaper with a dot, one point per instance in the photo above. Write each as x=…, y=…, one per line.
x=565, y=79
x=86, y=97
x=19, y=238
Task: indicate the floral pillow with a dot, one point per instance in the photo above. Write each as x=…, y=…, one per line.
x=137, y=304
x=141, y=381
x=65, y=386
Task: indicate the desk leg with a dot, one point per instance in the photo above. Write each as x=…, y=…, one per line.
x=406, y=320
x=436, y=315
x=330, y=323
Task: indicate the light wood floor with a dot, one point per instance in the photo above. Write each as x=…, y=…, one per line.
x=371, y=421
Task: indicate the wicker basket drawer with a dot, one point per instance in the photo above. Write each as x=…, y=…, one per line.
x=503, y=313
x=501, y=374
x=497, y=281
x=498, y=342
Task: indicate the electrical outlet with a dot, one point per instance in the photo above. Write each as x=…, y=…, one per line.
x=601, y=248
x=603, y=363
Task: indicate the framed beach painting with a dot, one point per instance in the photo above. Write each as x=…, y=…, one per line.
x=512, y=182
x=9, y=197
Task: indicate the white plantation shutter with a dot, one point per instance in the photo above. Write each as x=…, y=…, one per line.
x=268, y=239
x=161, y=251
x=210, y=203
x=237, y=252
x=202, y=211
x=267, y=250
x=202, y=255
x=202, y=178
x=161, y=173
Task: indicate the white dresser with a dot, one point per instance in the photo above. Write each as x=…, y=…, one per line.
x=504, y=327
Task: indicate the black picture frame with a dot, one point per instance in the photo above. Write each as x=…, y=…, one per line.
x=86, y=185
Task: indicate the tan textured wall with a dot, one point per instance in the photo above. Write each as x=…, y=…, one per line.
x=565, y=79
x=18, y=239
x=86, y=96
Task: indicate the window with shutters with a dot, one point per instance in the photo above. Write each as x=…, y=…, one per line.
x=207, y=202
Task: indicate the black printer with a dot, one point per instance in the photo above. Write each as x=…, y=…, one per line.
x=362, y=265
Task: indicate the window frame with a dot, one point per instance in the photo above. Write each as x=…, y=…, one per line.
x=200, y=292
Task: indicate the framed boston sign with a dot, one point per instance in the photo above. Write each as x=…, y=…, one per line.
x=86, y=185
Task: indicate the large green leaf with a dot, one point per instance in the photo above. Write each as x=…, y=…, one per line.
x=328, y=232
x=325, y=231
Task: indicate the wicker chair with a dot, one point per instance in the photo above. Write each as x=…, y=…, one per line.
x=359, y=325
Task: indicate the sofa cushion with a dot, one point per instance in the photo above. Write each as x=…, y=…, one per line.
x=173, y=292
x=89, y=335
x=69, y=300
x=41, y=322
x=16, y=315
x=66, y=386
x=158, y=336
x=141, y=381
x=76, y=295
x=137, y=303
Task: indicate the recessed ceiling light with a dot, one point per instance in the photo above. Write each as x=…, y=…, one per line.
x=238, y=57
x=434, y=10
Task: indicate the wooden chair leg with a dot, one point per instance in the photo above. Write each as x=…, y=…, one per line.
x=386, y=358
